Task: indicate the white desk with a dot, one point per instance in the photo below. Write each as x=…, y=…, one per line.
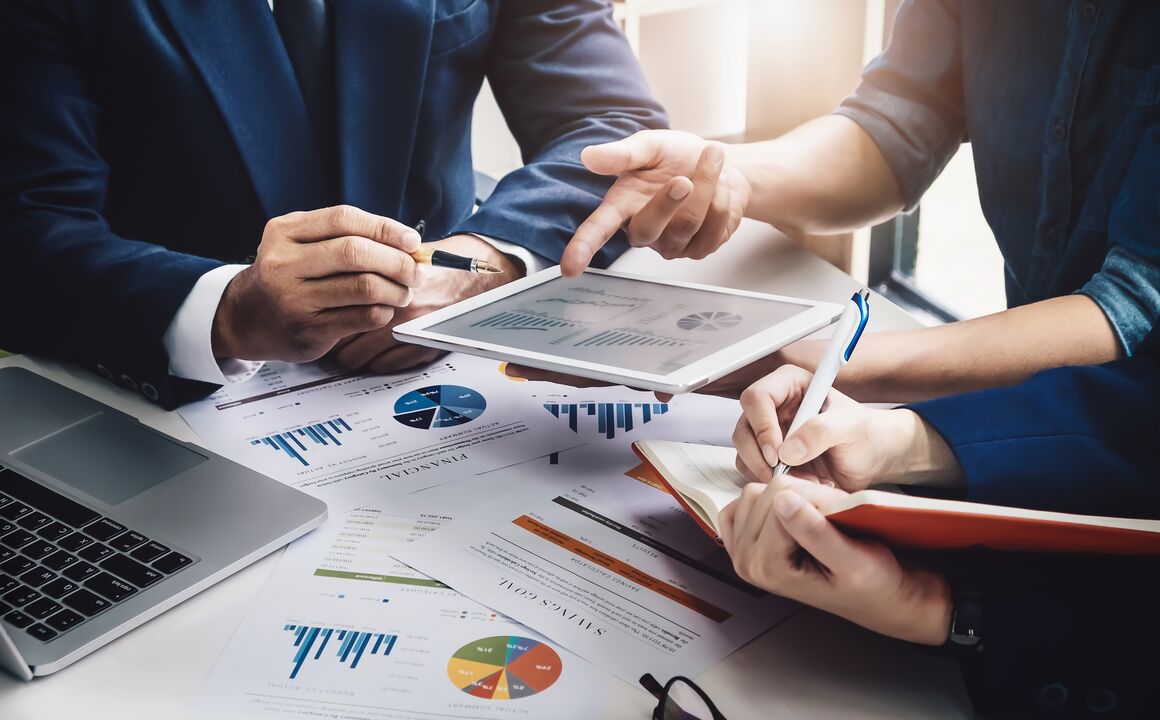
x=811, y=666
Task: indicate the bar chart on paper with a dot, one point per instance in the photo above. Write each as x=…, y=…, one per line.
x=297, y=441
x=348, y=649
x=609, y=416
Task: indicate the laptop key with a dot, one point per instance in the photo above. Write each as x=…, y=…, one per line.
x=34, y=521
x=42, y=633
x=64, y=620
x=59, y=588
x=38, y=549
x=59, y=560
x=126, y=541
x=95, y=553
x=45, y=500
x=6, y=553
x=80, y=571
x=4, y=500
x=104, y=529
x=5, y=608
x=171, y=563
x=17, y=539
x=16, y=565
x=18, y=619
x=149, y=552
x=86, y=602
x=42, y=608
x=6, y=527
x=75, y=542
x=20, y=596
x=7, y=582
x=109, y=586
x=37, y=576
x=54, y=531
x=129, y=569
x=15, y=510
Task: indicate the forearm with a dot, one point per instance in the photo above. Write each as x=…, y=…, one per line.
x=826, y=176
x=1001, y=349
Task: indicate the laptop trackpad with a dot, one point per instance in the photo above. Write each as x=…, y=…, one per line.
x=108, y=458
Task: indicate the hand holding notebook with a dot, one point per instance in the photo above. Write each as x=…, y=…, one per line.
x=704, y=479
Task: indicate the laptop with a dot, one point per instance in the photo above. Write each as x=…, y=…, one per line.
x=106, y=523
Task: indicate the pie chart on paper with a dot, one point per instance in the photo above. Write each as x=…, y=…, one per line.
x=505, y=667
x=439, y=406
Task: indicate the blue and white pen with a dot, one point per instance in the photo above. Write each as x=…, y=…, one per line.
x=838, y=352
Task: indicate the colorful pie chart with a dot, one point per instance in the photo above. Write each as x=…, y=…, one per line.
x=439, y=406
x=504, y=667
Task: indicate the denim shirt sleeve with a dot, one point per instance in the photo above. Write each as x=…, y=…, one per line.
x=1127, y=287
x=910, y=100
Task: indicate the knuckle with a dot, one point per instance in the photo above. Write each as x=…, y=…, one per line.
x=364, y=286
x=379, y=315
x=341, y=215
x=351, y=251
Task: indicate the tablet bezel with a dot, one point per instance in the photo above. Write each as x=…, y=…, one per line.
x=815, y=316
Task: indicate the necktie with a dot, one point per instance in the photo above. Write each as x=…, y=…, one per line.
x=305, y=29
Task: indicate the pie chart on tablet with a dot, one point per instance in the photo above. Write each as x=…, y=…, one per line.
x=711, y=320
x=504, y=667
x=439, y=406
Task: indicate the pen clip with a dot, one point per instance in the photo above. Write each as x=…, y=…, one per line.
x=861, y=300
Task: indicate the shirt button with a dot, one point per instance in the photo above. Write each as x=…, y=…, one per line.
x=1089, y=10
x=128, y=382
x=105, y=372
x=1059, y=129
x=1100, y=701
x=1052, y=696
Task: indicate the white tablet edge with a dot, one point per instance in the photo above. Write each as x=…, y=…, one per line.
x=817, y=315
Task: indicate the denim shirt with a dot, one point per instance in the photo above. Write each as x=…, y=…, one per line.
x=1061, y=103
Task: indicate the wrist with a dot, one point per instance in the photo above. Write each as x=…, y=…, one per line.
x=224, y=333
x=925, y=458
x=924, y=608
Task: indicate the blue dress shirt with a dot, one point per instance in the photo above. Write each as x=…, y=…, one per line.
x=1061, y=104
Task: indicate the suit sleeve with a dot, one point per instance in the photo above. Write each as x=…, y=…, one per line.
x=1064, y=636
x=564, y=78
x=72, y=288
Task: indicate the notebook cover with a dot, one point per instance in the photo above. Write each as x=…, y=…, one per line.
x=953, y=530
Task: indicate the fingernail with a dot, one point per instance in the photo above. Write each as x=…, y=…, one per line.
x=679, y=191
x=411, y=241
x=770, y=454
x=787, y=504
x=791, y=450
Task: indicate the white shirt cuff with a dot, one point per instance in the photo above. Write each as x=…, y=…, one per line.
x=189, y=338
x=533, y=263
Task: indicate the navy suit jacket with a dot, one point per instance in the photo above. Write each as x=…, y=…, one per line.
x=144, y=143
x=1064, y=636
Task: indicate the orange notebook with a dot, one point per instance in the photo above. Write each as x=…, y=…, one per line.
x=704, y=479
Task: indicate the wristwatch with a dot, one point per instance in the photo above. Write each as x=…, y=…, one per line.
x=966, y=631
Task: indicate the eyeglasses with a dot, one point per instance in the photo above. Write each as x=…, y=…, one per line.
x=680, y=699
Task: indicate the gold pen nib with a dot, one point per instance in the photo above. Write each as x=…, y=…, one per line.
x=483, y=267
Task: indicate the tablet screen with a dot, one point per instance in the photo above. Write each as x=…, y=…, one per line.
x=632, y=324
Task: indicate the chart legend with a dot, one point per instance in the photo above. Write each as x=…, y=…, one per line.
x=504, y=667
x=439, y=406
x=351, y=645
x=296, y=442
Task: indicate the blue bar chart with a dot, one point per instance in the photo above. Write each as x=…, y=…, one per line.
x=610, y=416
x=351, y=645
x=297, y=441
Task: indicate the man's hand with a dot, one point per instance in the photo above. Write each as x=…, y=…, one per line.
x=318, y=277
x=675, y=193
x=846, y=444
x=769, y=530
x=378, y=351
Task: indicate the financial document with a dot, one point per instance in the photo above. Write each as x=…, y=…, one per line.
x=342, y=630
x=350, y=439
x=598, y=558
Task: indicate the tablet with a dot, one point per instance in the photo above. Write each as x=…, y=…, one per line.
x=645, y=333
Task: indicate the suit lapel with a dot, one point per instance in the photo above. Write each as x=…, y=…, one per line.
x=236, y=47
x=381, y=51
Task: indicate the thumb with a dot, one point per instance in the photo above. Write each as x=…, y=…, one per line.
x=632, y=153
x=810, y=529
x=818, y=435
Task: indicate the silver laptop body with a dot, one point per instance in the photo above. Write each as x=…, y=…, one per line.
x=159, y=520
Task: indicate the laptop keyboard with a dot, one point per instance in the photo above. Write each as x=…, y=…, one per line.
x=62, y=563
